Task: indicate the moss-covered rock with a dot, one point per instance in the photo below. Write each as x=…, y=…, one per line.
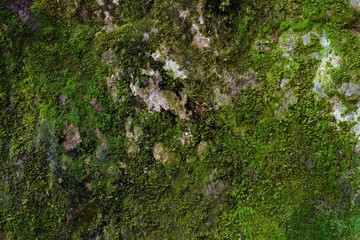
x=179, y=119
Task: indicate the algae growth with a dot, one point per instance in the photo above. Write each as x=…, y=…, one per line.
x=179, y=119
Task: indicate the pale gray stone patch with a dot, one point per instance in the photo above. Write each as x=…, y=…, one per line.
x=20, y=7
x=154, y=30
x=148, y=72
x=194, y=29
x=108, y=18
x=338, y=109
x=355, y=4
x=157, y=99
x=324, y=41
x=146, y=36
x=350, y=89
x=306, y=38
x=314, y=55
x=183, y=14
x=284, y=82
x=318, y=87
x=357, y=148
x=156, y=56
x=329, y=60
x=356, y=129
x=174, y=67
x=200, y=40
x=100, y=2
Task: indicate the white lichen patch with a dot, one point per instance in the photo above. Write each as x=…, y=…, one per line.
x=288, y=40
x=355, y=4
x=100, y=2
x=199, y=10
x=148, y=72
x=306, y=38
x=356, y=129
x=200, y=40
x=174, y=68
x=157, y=99
x=350, y=89
x=146, y=36
x=160, y=153
x=108, y=18
x=151, y=95
x=287, y=43
x=283, y=83
x=161, y=54
x=183, y=14
x=329, y=61
x=339, y=111
x=156, y=56
x=154, y=30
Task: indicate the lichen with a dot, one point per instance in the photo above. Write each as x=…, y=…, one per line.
x=160, y=153
x=157, y=99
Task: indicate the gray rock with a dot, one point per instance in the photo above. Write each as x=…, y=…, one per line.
x=355, y=4
x=350, y=89
x=306, y=38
